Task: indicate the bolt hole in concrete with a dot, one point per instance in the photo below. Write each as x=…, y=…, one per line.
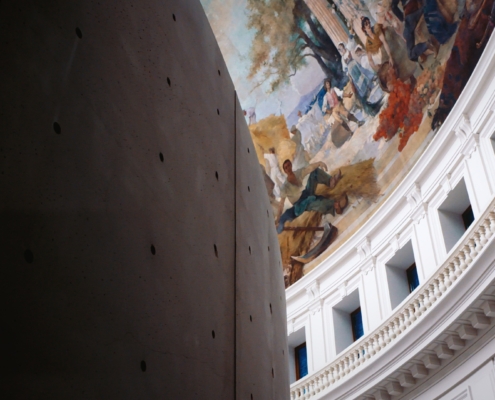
x=168, y=81
x=216, y=251
x=173, y=16
x=153, y=250
x=268, y=248
x=271, y=312
x=218, y=111
x=251, y=318
x=249, y=249
x=57, y=128
x=28, y=256
x=216, y=175
x=78, y=33
x=273, y=373
x=143, y=365
x=219, y=73
x=248, y=150
x=161, y=157
x=249, y=189
x=213, y=334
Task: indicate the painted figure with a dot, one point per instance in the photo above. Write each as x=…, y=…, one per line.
x=300, y=156
x=413, y=11
x=303, y=198
x=333, y=106
x=363, y=82
x=273, y=171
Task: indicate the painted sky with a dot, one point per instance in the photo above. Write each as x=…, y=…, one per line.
x=228, y=19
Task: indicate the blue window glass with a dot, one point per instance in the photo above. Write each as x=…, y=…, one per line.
x=301, y=361
x=357, y=324
x=412, y=278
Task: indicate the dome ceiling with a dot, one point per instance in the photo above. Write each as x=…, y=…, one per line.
x=341, y=98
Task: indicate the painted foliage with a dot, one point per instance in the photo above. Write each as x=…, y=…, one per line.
x=341, y=98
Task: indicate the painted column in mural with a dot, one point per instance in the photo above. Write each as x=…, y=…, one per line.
x=329, y=21
x=352, y=11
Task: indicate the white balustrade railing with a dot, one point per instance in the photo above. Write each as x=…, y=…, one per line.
x=370, y=346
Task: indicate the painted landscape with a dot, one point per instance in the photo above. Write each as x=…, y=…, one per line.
x=341, y=98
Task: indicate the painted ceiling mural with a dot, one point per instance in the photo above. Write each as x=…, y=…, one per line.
x=342, y=97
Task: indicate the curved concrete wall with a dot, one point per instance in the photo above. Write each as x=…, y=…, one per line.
x=133, y=254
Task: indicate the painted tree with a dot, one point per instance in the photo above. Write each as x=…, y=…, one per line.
x=286, y=34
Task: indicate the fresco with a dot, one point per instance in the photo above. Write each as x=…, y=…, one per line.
x=341, y=98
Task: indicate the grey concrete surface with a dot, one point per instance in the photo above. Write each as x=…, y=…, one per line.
x=118, y=262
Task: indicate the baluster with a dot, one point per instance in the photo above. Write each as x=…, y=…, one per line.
x=421, y=300
x=491, y=216
x=436, y=290
x=327, y=379
x=397, y=330
x=462, y=263
x=452, y=275
x=467, y=256
x=457, y=267
x=483, y=235
x=417, y=307
x=431, y=289
x=473, y=251
x=341, y=368
x=442, y=279
x=316, y=385
x=426, y=299
x=381, y=342
x=477, y=242
x=358, y=357
x=402, y=322
x=347, y=367
x=386, y=334
x=412, y=312
x=372, y=347
x=332, y=375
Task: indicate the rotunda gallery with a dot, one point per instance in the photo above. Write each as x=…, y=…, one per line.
x=248, y=199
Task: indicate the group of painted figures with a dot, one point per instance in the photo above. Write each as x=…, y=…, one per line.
x=391, y=52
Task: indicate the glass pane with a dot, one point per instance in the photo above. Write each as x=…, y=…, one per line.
x=357, y=324
x=302, y=360
x=412, y=278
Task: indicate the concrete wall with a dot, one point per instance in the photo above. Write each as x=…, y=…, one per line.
x=120, y=276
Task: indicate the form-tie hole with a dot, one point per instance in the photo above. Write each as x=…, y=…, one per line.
x=218, y=111
x=249, y=249
x=216, y=250
x=153, y=250
x=251, y=318
x=28, y=256
x=57, y=128
x=161, y=157
x=143, y=366
x=78, y=33
x=168, y=81
x=216, y=175
x=173, y=16
x=213, y=334
x=219, y=73
x=271, y=312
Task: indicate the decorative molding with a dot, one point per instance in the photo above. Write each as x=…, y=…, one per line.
x=446, y=185
x=343, y=290
x=364, y=248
